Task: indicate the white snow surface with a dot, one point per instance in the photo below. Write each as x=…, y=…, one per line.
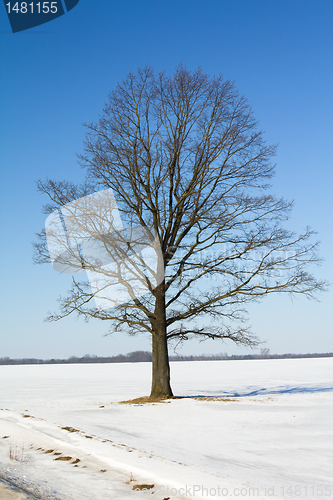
x=271, y=438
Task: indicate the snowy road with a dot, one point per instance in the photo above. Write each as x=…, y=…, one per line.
x=13, y=489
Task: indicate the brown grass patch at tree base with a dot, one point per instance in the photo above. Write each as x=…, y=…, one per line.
x=146, y=399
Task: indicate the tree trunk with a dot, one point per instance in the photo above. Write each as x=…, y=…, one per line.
x=160, y=387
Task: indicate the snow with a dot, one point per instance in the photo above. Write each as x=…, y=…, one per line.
x=271, y=438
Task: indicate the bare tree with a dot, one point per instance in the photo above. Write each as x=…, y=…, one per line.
x=185, y=158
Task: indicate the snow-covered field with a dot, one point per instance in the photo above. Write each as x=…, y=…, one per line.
x=273, y=437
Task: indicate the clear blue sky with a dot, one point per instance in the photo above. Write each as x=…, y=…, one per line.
x=56, y=76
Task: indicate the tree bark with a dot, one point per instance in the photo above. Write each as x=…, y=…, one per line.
x=160, y=387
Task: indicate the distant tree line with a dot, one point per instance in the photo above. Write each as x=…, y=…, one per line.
x=132, y=357
x=250, y=356
x=145, y=356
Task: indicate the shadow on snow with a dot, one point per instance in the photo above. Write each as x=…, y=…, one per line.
x=264, y=392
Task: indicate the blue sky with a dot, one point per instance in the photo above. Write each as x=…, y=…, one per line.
x=58, y=75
